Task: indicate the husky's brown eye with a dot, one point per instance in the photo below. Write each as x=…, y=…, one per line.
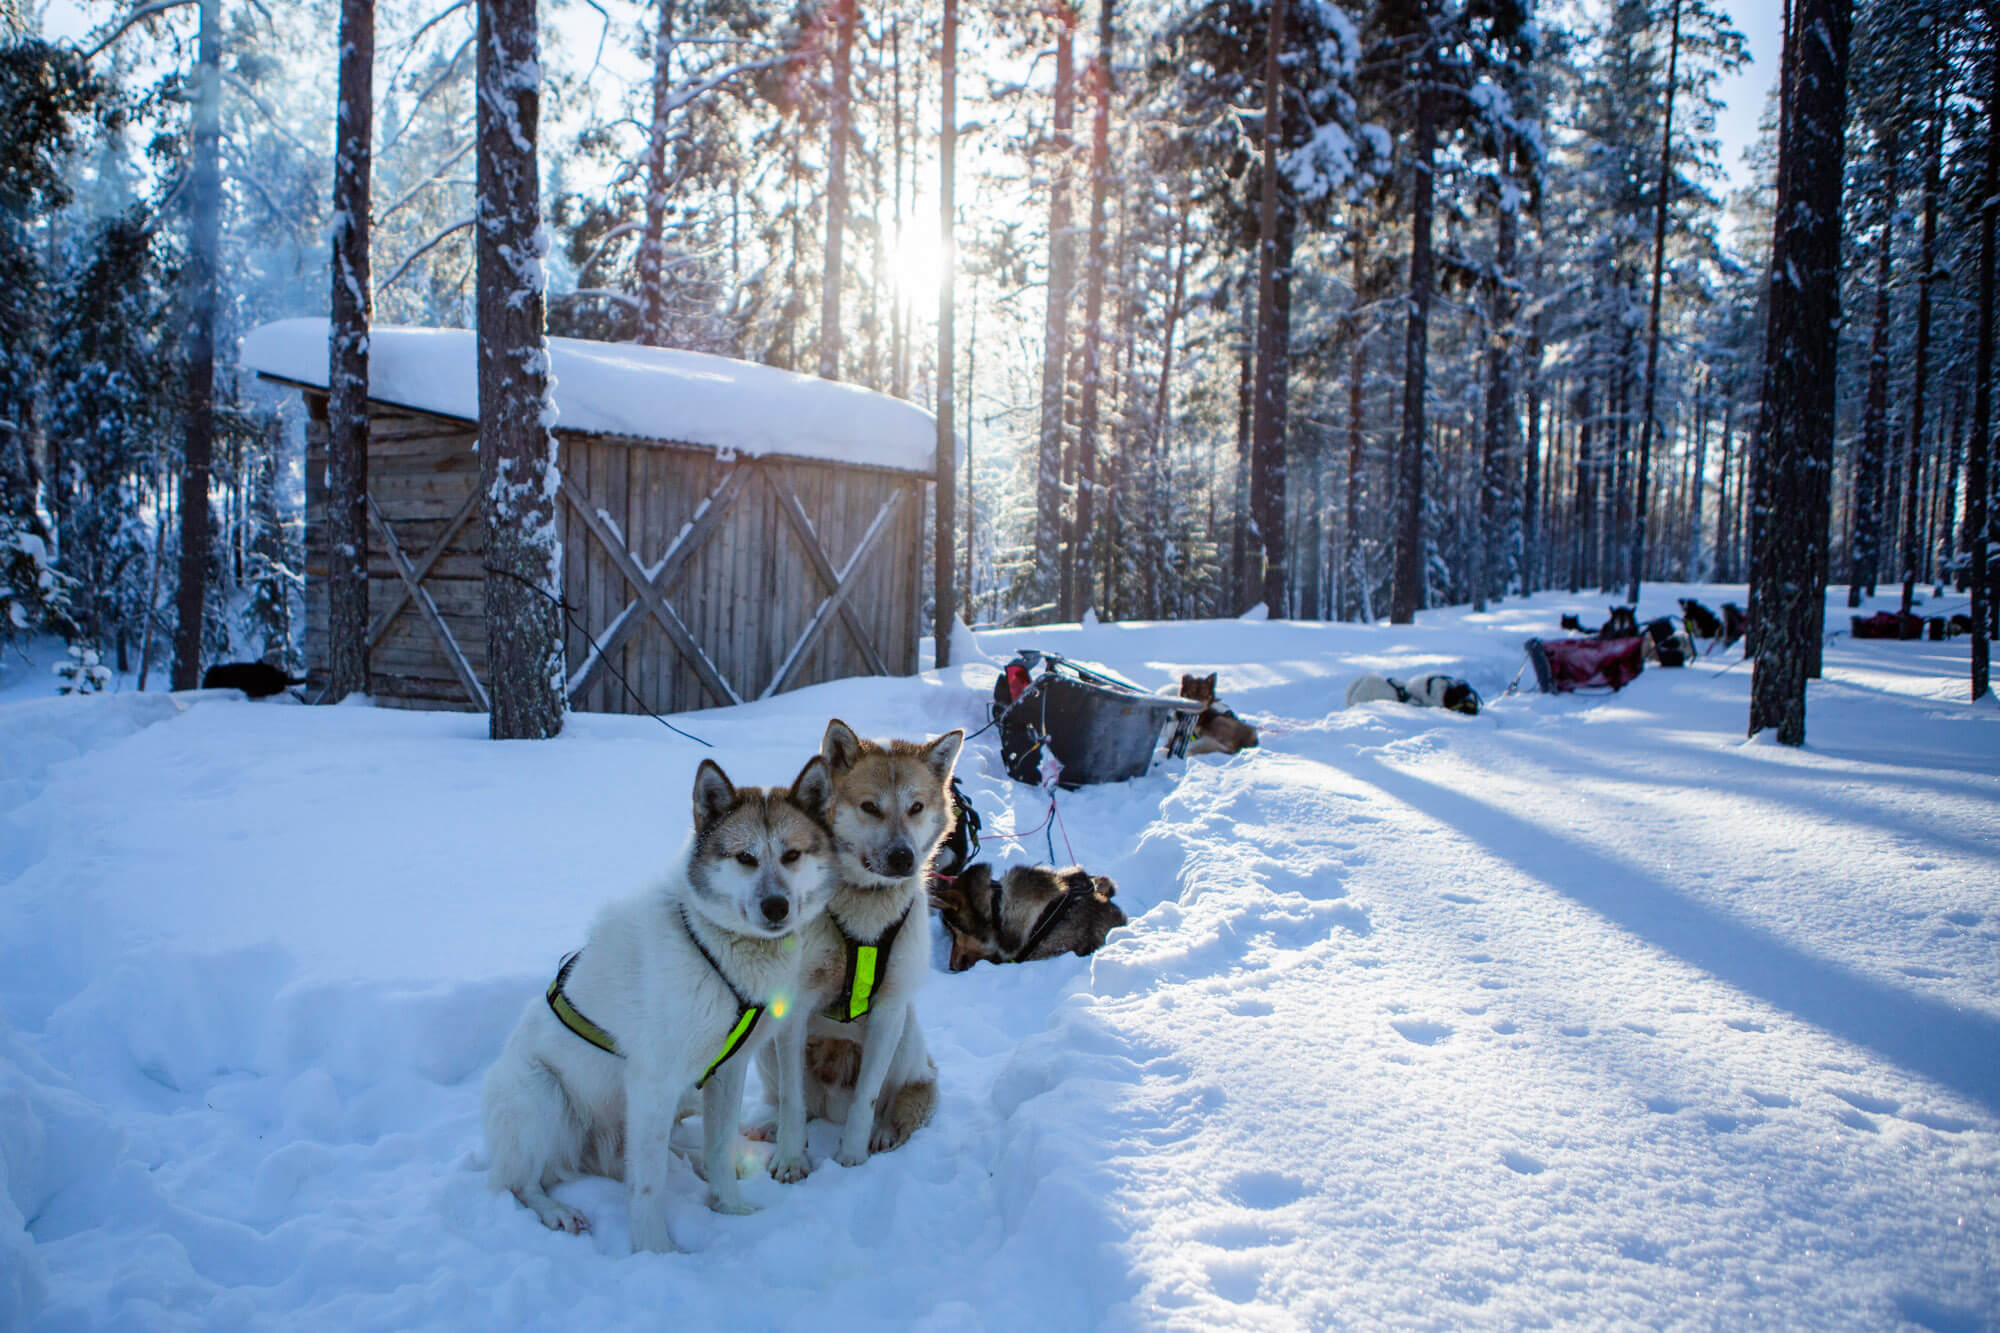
x=917, y=809
x=746, y=860
x=872, y=810
x=791, y=855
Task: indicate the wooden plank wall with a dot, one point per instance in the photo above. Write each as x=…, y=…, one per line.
x=746, y=595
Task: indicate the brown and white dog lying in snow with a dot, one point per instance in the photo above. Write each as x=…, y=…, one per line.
x=1029, y=912
x=1217, y=730
x=1437, y=691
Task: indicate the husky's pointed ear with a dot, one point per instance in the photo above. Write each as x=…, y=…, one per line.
x=812, y=789
x=948, y=898
x=840, y=747
x=714, y=794
x=942, y=753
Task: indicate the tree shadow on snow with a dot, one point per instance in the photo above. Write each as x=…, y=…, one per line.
x=1929, y=1038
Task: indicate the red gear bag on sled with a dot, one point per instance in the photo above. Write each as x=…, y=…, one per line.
x=1562, y=665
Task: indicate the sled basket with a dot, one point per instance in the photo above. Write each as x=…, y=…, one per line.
x=1098, y=726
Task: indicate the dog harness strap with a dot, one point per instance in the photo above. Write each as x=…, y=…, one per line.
x=747, y=1013
x=863, y=970
x=746, y=1023
x=1051, y=916
x=572, y=1017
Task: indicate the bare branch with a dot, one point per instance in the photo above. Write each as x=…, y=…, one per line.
x=141, y=13
x=237, y=82
x=426, y=183
x=444, y=75
x=425, y=249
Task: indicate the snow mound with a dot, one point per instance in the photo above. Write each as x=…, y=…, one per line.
x=649, y=393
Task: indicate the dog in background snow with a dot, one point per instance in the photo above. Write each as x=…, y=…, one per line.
x=1030, y=912
x=1437, y=691
x=1217, y=730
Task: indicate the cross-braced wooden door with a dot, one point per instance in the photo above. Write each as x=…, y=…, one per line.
x=702, y=582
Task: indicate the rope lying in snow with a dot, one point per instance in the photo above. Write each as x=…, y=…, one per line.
x=569, y=614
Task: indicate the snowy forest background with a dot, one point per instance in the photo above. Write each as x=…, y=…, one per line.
x=1449, y=402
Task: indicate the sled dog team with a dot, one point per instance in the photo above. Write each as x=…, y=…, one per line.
x=792, y=931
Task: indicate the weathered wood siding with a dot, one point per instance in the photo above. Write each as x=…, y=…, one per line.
x=746, y=593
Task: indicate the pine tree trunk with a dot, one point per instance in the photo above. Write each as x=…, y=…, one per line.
x=1267, y=427
x=204, y=238
x=899, y=359
x=1640, y=498
x=1496, y=443
x=1161, y=516
x=1926, y=275
x=943, y=596
x=1406, y=594
x=839, y=113
x=1978, y=501
x=347, y=375
x=1582, y=494
x=1357, y=374
x=1532, y=531
x=1098, y=84
x=1864, y=556
x=652, y=330
x=1797, y=411
x=517, y=451
x=1055, y=332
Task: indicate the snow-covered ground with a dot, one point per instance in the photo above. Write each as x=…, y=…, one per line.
x=1583, y=1011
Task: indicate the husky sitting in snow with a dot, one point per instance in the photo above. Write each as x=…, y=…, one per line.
x=1424, y=692
x=851, y=1051
x=664, y=998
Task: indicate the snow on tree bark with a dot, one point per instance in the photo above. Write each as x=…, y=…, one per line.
x=1098, y=84
x=1647, y=422
x=1267, y=429
x=1055, y=333
x=1978, y=500
x=947, y=452
x=347, y=371
x=1864, y=555
x=652, y=240
x=839, y=114
x=204, y=239
x=1797, y=410
x=517, y=449
x=1407, y=590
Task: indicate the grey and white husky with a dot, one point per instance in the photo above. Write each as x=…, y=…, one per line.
x=852, y=1051
x=665, y=996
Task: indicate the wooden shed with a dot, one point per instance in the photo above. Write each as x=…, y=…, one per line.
x=729, y=530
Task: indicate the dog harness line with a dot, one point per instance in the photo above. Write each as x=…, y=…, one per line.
x=863, y=962
x=575, y=1020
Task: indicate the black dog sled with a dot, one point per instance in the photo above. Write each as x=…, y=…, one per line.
x=1099, y=727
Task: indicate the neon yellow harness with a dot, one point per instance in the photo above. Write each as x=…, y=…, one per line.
x=864, y=962
x=747, y=1013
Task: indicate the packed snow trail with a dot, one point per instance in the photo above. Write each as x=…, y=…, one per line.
x=1585, y=1010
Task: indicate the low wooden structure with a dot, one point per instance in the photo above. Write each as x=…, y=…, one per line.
x=694, y=577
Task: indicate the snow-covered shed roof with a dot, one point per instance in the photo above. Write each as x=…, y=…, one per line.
x=650, y=393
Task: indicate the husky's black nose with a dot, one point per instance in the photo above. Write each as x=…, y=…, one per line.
x=775, y=909
x=901, y=859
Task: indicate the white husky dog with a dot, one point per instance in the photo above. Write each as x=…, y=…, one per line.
x=852, y=1050
x=665, y=997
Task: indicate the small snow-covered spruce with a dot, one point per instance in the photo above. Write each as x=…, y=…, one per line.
x=80, y=672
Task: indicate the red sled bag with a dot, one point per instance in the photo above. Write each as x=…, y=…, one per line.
x=1887, y=625
x=1564, y=665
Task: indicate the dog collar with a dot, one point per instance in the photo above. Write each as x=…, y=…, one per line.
x=857, y=991
x=576, y=1021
